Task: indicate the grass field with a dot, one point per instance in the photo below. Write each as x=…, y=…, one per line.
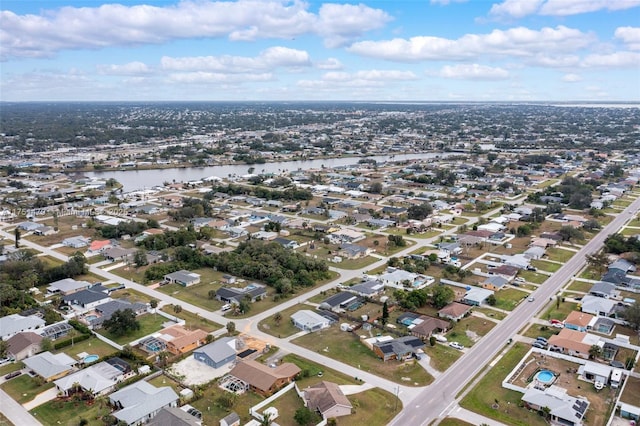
x=347, y=347
x=491, y=313
x=533, y=277
x=509, y=298
x=559, y=254
x=192, y=320
x=580, y=286
x=560, y=312
x=489, y=390
x=149, y=323
x=5, y=421
x=546, y=266
x=450, y=421
x=472, y=324
x=442, y=356
x=70, y=413
x=92, y=346
x=285, y=327
x=24, y=388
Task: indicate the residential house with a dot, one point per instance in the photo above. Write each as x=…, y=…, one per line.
x=49, y=366
x=105, y=310
x=118, y=254
x=494, y=282
x=507, y=272
x=98, y=246
x=454, y=311
x=400, y=348
x=23, y=345
x=628, y=402
x=476, y=296
x=564, y=409
x=89, y=298
x=286, y=243
x=179, y=340
x=28, y=226
x=232, y=419
x=174, y=416
x=141, y=401
x=572, y=342
x=343, y=300
x=45, y=230
x=534, y=252
x=595, y=372
x=183, y=277
x=424, y=326
x=13, y=324
x=76, y=242
x=623, y=265
x=327, y=399
x=366, y=289
x=346, y=235
x=603, y=289
x=253, y=292
x=67, y=286
x=353, y=251
x=56, y=331
x=397, y=278
x=263, y=379
x=99, y=379
x=218, y=353
x=579, y=321
x=307, y=320
x=598, y=306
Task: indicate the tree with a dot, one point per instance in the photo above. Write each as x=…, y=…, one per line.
x=491, y=300
x=266, y=420
x=442, y=295
x=177, y=309
x=419, y=212
x=432, y=341
x=632, y=315
x=154, y=304
x=45, y=345
x=122, y=323
x=303, y=416
x=16, y=233
x=385, y=313
x=211, y=294
x=4, y=348
x=140, y=258
x=375, y=188
x=569, y=233
x=277, y=318
x=594, y=351
x=209, y=338
x=231, y=327
x=598, y=262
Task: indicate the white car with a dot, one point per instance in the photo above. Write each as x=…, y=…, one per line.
x=456, y=345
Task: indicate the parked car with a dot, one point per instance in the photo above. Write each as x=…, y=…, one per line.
x=538, y=344
x=531, y=268
x=555, y=321
x=456, y=345
x=440, y=338
x=519, y=280
x=558, y=325
x=416, y=356
x=542, y=339
x=13, y=374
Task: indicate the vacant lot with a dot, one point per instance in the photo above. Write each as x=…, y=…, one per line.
x=24, y=388
x=442, y=356
x=509, y=298
x=149, y=323
x=546, y=266
x=70, y=413
x=347, y=347
x=559, y=311
x=559, y=254
x=193, y=321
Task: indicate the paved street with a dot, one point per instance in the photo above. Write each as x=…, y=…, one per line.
x=430, y=404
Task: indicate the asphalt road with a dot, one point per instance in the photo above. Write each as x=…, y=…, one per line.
x=438, y=398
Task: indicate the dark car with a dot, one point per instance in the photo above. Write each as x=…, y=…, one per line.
x=13, y=374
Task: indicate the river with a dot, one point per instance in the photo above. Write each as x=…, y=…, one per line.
x=133, y=180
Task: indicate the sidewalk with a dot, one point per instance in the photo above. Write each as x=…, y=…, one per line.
x=16, y=412
x=41, y=398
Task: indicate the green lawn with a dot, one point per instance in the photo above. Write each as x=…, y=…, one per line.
x=70, y=413
x=546, y=266
x=450, y=421
x=287, y=405
x=285, y=327
x=481, y=398
x=10, y=368
x=92, y=346
x=580, y=286
x=192, y=320
x=442, y=356
x=509, y=298
x=491, y=312
x=559, y=254
x=533, y=277
x=149, y=323
x=131, y=295
x=347, y=347
x=374, y=407
x=356, y=263
x=560, y=312
x=24, y=388
x=197, y=295
x=538, y=330
x=5, y=421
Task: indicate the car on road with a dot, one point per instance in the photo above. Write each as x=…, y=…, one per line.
x=531, y=298
x=456, y=345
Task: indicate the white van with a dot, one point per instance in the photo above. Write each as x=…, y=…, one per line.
x=226, y=307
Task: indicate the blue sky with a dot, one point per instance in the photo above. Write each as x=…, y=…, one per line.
x=415, y=50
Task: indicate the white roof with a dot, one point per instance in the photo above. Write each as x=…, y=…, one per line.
x=68, y=284
x=308, y=317
x=95, y=378
x=14, y=323
x=141, y=399
x=47, y=365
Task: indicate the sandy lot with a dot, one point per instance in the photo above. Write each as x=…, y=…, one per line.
x=197, y=373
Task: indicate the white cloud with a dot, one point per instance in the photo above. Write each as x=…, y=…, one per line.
x=341, y=23
x=132, y=68
x=630, y=36
x=521, y=8
x=520, y=41
x=329, y=64
x=571, y=78
x=447, y=2
x=268, y=59
x=556, y=61
x=612, y=60
x=575, y=7
x=44, y=35
x=217, y=78
x=473, y=72
x=515, y=8
x=361, y=79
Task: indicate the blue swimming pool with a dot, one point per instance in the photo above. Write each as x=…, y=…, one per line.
x=90, y=318
x=90, y=358
x=545, y=377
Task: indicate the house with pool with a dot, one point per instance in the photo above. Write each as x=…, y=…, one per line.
x=99, y=379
